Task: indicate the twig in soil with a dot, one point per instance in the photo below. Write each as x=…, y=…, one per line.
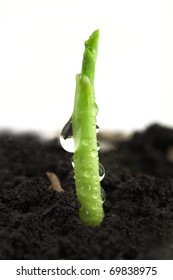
x=55, y=182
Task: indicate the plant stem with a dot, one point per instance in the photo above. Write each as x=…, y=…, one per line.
x=86, y=161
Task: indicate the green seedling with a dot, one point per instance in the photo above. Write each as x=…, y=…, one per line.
x=82, y=125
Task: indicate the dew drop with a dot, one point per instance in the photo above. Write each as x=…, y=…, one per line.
x=86, y=173
x=85, y=142
x=96, y=108
x=66, y=137
x=103, y=195
x=93, y=154
x=101, y=171
x=98, y=146
x=97, y=128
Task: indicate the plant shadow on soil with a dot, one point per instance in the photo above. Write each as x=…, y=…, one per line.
x=39, y=223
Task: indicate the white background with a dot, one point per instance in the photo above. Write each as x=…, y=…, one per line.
x=41, y=48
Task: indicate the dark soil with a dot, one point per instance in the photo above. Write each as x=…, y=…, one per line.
x=38, y=223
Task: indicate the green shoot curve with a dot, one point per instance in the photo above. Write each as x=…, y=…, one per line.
x=86, y=161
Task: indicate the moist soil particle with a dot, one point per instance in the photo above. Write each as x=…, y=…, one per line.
x=37, y=222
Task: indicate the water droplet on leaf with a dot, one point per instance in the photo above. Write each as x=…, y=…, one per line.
x=97, y=128
x=87, y=173
x=101, y=171
x=96, y=108
x=66, y=137
x=85, y=142
x=103, y=195
x=98, y=146
x=93, y=154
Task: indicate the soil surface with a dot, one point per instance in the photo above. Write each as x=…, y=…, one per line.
x=37, y=222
